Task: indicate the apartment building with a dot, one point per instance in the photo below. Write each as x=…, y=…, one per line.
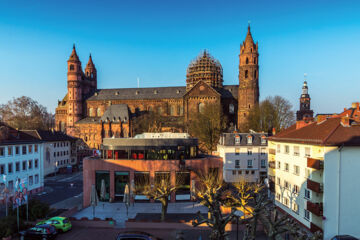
x=59, y=149
x=244, y=156
x=20, y=158
x=313, y=167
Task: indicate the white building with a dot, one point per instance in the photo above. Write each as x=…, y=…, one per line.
x=244, y=156
x=59, y=150
x=315, y=167
x=20, y=158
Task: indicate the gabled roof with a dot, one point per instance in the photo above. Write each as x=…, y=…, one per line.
x=228, y=139
x=198, y=85
x=116, y=113
x=9, y=136
x=330, y=132
x=48, y=135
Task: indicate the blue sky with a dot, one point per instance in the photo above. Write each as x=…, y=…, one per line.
x=156, y=40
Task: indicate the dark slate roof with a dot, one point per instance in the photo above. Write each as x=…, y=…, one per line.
x=116, y=112
x=88, y=120
x=228, y=91
x=9, y=136
x=49, y=135
x=228, y=139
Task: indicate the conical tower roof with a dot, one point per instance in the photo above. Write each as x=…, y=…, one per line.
x=74, y=56
x=249, y=40
x=90, y=63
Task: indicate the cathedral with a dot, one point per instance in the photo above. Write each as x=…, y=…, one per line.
x=92, y=114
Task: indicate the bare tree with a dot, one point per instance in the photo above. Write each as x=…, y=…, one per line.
x=208, y=125
x=26, y=113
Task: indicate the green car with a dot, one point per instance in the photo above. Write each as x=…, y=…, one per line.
x=60, y=223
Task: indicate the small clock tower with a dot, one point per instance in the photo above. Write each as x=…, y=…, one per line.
x=305, y=111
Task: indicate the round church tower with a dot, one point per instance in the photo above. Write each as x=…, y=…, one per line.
x=205, y=68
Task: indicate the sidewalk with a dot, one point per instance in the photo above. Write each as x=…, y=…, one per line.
x=117, y=211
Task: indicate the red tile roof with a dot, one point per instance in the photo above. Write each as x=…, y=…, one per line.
x=330, y=132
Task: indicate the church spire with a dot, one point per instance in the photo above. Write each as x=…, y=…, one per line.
x=90, y=63
x=74, y=56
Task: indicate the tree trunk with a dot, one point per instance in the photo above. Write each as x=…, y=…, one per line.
x=164, y=207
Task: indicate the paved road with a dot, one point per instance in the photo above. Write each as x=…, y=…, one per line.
x=61, y=187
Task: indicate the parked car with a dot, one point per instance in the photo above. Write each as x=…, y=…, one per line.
x=42, y=232
x=62, y=224
x=344, y=237
x=135, y=236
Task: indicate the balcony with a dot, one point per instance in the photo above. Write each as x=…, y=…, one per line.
x=315, y=208
x=314, y=186
x=272, y=151
x=315, y=163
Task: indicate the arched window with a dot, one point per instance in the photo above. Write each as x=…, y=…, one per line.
x=254, y=60
x=251, y=50
x=91, y=111
x=255, y=74
x=71, y=67
x=172, y=110
x=180, y=110
x=150, y=109
x=160, y=110
x=246, y=73
x=247, y=61
x=98, y=112
x=231, y=108
x=201, y=107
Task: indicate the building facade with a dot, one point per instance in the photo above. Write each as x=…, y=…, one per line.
x=20, y=158
x=144, y=159
x=313, y=167
x=58, y=150
x=244, y=156
x=81, y=112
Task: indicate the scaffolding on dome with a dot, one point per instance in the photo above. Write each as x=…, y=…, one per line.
x=206, y=68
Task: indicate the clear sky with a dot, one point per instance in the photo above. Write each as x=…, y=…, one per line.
x=156, y=40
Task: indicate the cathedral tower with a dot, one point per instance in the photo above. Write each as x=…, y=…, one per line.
x=91, y=74
x=74, y=81
x=305, y=111
x=248, y=78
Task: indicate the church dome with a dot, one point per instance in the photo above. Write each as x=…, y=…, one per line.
x=205, y=68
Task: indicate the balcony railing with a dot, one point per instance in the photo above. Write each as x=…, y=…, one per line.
x=315, y=163
x=315, y=208
x=272, y=164
x=314, y=186
x=272, y=151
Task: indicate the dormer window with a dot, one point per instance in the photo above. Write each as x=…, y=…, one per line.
x=237, y=140
x=249, y=140
x=155, y=92
x=137, y=92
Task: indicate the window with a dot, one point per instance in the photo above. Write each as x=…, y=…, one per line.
x=306, y=214
x=2, y=151
x=249, y=139
x=72, y=67
x=249, y=163
x=247, y=61
x=296, y=189
x=237, y=140
x=54, y=154
x=201, y=107
x=2, y=169
x=10, y=151
x=237, y=151
x=286, y=167
x=17, y=150
x=296, y=170
x=36, y=163
x=307, y=152
x=231, y=108
x=278, y=164
x=263, y=140
x=287, y=149
x=36, y=148
x=17, y=167
x=278, y=181
x=30, y=148
x=246, y=73
x=263, y=163
x=11, y=185
x=36, y=178
x=233, y=172
x=239, y=172
x=286, y=201
x=295, y=208
x=23, y=150
x=278, y=196
x=98, y=112
x=307, y=172
x=296, y=151
x=24, y=165
x=172, y=110
x=287, y=185
x=249, y=151
x=307, y=194
x=31, y=180
x=237, y=163
x=246, y=172
x=278, y=148
x=10, y=168
x=30, y=164
x=255, y=72
x=252, y=172
x=263, y=151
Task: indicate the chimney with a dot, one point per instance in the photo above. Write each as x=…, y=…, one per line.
x=273, y=131
x=345, y=121
x=302, y=123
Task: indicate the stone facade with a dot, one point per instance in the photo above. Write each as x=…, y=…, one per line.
x=80, y=113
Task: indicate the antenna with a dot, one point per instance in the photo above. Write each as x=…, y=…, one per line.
x=138, y=82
